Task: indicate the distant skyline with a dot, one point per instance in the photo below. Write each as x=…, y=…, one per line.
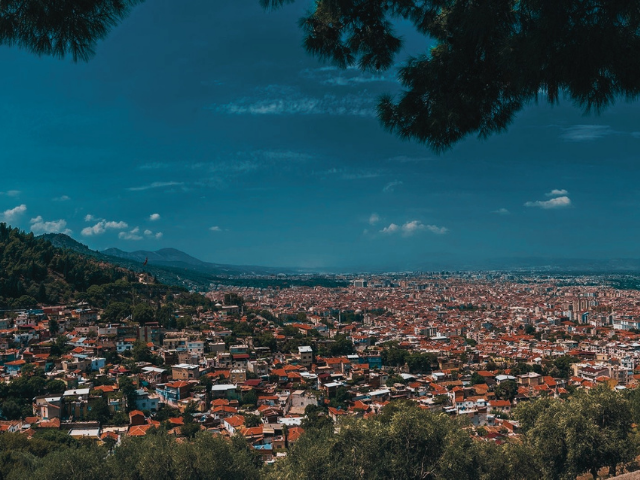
x=204, y=126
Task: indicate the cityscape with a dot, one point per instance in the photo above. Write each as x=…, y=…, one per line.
x=319, y=240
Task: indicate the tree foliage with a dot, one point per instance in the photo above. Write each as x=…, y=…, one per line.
x=60, y=28
x=31, y=268
x=561, y=440
x=483, y=61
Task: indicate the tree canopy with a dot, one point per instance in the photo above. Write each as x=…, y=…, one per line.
x=486, y=60
x=482, y=63
x=62, y=27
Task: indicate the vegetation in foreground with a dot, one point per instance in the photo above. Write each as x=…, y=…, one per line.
x=560, y=440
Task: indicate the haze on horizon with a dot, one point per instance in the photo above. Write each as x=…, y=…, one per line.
x=205, y=127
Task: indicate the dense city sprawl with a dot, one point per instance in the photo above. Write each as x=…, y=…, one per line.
x=275, y=367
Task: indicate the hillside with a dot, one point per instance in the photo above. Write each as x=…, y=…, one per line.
x=173, y=267
x=173, y=258
x=33, y=271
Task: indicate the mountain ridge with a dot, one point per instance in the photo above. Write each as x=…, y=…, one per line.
x=168, y=265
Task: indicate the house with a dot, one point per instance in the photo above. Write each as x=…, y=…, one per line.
x=231, y=424
x=154, y=375
x=305, y=356
x=185, y=371
x=92, y=433
x=237, y=375
x=47, y=407
x=136, y=417
x=227, y=391
x=172, y=393
x=503, y=406
x=299, y=400
x=146, y=400
x=530, y=379
x=13, y=368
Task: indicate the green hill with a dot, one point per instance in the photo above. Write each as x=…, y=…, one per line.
x=33, y=271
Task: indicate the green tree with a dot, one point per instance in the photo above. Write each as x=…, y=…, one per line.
x=55, y=386
x=53, y=327
x=562, y=366
x=143, y=313
x=10, y=410
x=589, y=431
x=507, y=390
x=250, y=398
x=99, y=410
x=141, y=352
x=251, y=420
x=483, y=61
x=408, y=443
x=166, y=316
x=341, y=345
x=116, y=312
x=315, y=418
x=128, y=390
x=65, y=27
x=476, y=378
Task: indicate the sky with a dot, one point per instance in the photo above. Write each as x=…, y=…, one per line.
x=205, y=126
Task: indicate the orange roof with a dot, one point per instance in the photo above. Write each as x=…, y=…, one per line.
x=294, y=433
x=139, y=430
x=250, y=432
x=53, y=423
x=235, y=421
x=178, y=384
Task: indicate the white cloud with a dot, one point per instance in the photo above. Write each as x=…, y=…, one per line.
x=407, y=159
x=215, y=229
x=39, y=226
x=13, y=213
x=391, y=186
x=359, y=175
x=414, y=226
x=393, y=228
x=101, y=227
x=131, y=235
x=285, y=155
x=586, y=133
x=150, y=234
x=89, y=218
x=557, y=192
x=63, y=198
x=153, y=166
x=341, y=78
x=154, y=216
x=154, y=185
x=409, y=228
x=374, y=218
x=116, y=225
x=502, y=211
x=558, y=202
x=283, y=100
x=11, y=193
x=437, y=230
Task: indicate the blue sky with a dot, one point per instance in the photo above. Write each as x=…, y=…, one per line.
x=211, y=117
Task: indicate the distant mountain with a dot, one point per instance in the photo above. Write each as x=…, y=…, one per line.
x=170, y=257
x=60, y=240
x=173, y=267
